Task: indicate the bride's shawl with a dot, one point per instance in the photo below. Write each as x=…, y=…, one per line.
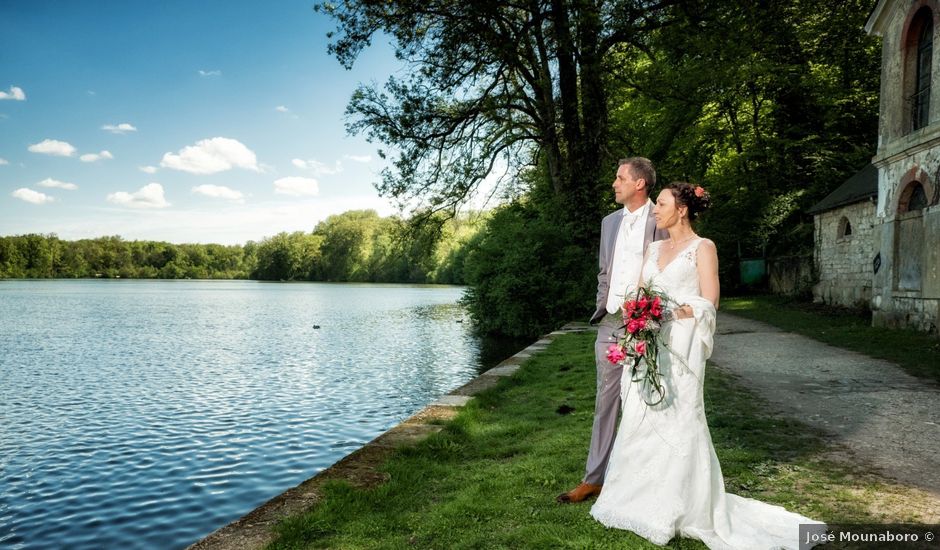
x=704, y=313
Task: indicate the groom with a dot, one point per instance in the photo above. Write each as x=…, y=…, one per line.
x=625, y=234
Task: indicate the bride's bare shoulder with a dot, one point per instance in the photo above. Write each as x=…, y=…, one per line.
x=707, y=245
x=707, y=252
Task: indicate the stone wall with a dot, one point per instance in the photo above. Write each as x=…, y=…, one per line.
x=790, y=275
x=844, y=263
x=893, y=305
x=905, y=291
x=907, y=237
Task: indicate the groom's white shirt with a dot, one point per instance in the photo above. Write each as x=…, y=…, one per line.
x=628, y=255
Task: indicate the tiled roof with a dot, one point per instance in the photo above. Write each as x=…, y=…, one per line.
x=862, y=186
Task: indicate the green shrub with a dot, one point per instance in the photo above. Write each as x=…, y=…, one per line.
x=527, y=274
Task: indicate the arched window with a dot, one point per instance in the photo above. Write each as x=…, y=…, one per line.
x=918, y=199
x=845, y=228
x=920, y=99
x=913, y=198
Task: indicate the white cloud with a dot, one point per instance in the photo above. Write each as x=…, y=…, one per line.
x=359, y=158
x=282, y=109
x=121, y=128
x=4, y=162
x=49, y=182
x=318, y=168
x=148, y=169
x=213, y=155
x=29, y=195
x=148, y=196
x=15, y=93
x=218, y=192
x=214, y=72
x=95, y=157
x=53, y=147
x=297, y=187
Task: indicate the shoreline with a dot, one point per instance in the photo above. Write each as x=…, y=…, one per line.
x=254, y=530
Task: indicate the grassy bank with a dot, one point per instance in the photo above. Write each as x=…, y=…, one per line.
x=489, y=479
x=916, y=352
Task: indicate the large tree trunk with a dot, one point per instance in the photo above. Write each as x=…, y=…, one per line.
x=545, y=94
x=593, y=152
x=568, y=93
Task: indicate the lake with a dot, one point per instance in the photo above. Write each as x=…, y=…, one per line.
x=146, y=414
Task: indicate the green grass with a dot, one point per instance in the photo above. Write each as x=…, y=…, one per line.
x=489, y=479
x=915, y=352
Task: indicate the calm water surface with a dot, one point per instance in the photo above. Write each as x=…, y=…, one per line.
x=146, y=414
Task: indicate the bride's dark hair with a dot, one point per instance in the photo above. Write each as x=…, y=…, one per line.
x=693, y=197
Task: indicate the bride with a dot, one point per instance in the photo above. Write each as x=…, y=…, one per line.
x=663, y=478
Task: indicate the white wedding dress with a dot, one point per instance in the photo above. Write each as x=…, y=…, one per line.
x=663, y=478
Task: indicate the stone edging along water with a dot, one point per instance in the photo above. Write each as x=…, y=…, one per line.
x=360, y=468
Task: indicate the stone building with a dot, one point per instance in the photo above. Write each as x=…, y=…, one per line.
x=905, y=235
x=843, y=255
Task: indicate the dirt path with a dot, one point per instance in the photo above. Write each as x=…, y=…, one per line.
x=887, y=419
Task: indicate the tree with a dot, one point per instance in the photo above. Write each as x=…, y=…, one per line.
x=346, y=247
x=38, y=251
x=527, y=272
x=280, y=258
x=520, y=80
x=769, y=105
x=12, y=264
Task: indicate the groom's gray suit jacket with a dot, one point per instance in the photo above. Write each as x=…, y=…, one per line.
x=610, y=227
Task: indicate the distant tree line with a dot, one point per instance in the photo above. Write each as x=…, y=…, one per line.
x=357, y=246
x=48, y=256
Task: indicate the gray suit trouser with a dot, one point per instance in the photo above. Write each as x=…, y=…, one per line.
x=607, y=403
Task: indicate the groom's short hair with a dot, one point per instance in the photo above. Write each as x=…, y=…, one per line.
x=642, y=167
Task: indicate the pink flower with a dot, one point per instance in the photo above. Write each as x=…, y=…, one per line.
x=640, y=347
x=615, y=354
x=641, y=323
x=633, y=326
x=657, y=302
x=699, y=191
x=642, y=303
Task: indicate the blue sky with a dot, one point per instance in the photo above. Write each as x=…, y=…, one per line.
x=208, y=121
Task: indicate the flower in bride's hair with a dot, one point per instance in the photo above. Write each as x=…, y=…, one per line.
x=615, y=353
x=699, y=191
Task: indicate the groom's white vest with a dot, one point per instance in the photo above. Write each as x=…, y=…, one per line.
x=610, y=228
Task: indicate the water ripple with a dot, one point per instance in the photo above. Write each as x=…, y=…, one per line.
x=142, y=414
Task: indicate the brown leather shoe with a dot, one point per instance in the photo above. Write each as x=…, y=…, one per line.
x=580, y=493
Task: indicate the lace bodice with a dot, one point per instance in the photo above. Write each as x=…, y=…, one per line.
x=677, y=278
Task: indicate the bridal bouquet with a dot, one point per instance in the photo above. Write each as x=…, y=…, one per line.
x=643, y=318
